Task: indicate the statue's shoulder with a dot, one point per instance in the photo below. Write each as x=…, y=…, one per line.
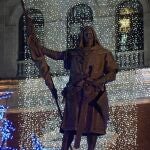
x=107, y=51
x=102, y=51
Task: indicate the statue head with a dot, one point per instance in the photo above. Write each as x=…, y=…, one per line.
x=88, y=36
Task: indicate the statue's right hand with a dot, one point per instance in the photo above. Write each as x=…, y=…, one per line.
x=35, y=47
x=32, y=40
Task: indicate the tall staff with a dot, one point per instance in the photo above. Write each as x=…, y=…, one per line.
x=39, y=59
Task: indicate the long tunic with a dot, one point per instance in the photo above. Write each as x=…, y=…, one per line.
x=86, y=102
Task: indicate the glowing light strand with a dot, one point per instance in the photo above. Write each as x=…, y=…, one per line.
x=6, y=129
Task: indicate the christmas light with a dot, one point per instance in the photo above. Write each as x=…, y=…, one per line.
x=5, y=95
x=6, y=129
x=2, y=111
x=35, y=143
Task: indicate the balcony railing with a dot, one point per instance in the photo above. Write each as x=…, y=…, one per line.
x=26, y=68
x=130, y=59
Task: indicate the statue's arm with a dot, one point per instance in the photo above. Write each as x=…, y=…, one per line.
x=56, y=55
x=111, y=68
x=39, y=50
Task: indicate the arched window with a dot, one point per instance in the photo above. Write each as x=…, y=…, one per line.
x=24, y=52
x=129, y=35
x=77, y=17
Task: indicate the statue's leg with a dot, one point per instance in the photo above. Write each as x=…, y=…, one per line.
x=91, y=140
x=67, y=140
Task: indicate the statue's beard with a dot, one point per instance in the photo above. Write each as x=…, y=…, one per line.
x=88, y=42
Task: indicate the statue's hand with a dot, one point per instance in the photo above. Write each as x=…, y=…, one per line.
x=32, y=40
x=35, y=47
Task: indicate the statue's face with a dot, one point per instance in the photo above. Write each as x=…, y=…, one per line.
x=88, y=36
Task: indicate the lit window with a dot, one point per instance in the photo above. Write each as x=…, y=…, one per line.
x=129, y=35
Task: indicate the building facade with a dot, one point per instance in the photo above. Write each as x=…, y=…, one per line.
x=121, y=26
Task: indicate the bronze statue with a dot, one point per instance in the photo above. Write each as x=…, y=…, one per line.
x=86, y=104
